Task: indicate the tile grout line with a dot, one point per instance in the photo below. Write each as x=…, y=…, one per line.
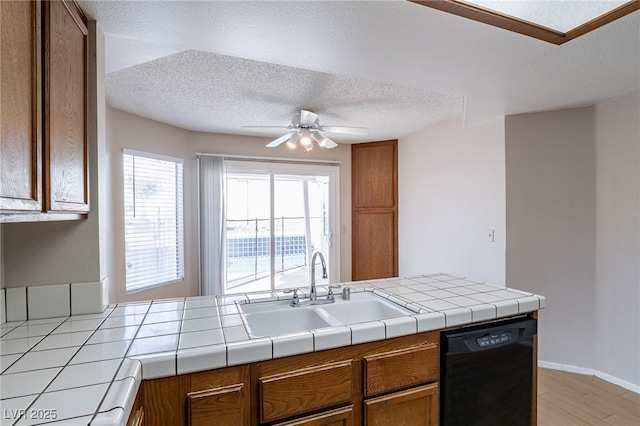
x=106, y=392
x=50, y=333
x=63, y=367
x=184, y=312
x=97, y=411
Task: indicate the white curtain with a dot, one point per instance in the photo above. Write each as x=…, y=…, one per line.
x=212, y=225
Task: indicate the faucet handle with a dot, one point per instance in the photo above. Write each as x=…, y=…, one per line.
x=296, y=299
x=330, y=293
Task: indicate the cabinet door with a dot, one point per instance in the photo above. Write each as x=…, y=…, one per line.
x=216, y=397
x=65, y=118
x=20, y=107
x=374, y=245
x=339, y=417
x=374, y=195
x=413, y=407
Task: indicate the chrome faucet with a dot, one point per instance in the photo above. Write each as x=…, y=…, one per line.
x=313, y=295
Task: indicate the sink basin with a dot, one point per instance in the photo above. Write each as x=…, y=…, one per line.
x=276, y=318
x=273, y=323
x=363, y=307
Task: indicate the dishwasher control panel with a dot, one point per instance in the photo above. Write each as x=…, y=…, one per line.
x=495, y=339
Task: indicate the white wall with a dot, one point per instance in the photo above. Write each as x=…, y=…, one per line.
x=573, y=232
x=572, y=222
x=617, y=292
x=551, y=226
x=451, y=185
x=130, y=131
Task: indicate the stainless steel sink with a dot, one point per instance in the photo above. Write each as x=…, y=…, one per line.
x=278, y=317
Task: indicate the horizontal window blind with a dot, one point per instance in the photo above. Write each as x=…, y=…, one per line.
x=153, y=228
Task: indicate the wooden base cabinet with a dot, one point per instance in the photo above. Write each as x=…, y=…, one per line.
x=388, y=382
x=216, y=397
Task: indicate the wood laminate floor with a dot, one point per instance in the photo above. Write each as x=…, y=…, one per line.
x=577, y=399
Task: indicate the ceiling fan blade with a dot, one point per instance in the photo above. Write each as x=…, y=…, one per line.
x=328, y=143
x=307, y=117
x=264, y=127
x=278, y=141
x=324, y=141
x=361, y=131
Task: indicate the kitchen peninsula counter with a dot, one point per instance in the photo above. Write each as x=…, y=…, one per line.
x=87, y=369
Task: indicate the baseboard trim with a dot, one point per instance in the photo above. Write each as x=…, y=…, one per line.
x=590, y=372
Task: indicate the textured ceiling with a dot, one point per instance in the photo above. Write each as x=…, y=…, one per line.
x=392, y=66
x=223, y=93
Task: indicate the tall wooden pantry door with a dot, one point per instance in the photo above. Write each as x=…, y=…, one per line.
x=374, y=198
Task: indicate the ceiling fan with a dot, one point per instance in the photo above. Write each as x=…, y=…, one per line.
x=306, y=128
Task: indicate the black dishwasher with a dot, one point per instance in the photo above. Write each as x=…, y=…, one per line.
x=486, y=373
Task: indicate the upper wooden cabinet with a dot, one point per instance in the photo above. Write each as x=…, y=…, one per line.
x=65, y=105
x=43, y=136
x=21, y=107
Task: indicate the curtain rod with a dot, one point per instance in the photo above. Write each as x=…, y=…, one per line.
x=271, y=159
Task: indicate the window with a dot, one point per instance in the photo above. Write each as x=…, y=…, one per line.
x=153, y=220
x=251, y=225
x=261, y=221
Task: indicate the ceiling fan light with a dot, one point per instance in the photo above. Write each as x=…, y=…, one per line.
x=293, y=141
x=305, y=140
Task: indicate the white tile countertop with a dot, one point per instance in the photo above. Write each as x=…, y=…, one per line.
x=86, y=369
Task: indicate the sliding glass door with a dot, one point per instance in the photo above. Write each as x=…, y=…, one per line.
x=277, y=216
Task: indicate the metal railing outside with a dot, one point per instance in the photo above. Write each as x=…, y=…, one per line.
x=249, y=247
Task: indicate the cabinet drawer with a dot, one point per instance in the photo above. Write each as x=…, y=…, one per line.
x=339, y=417
x=416, y=407
x=297, y=392
x=224, y=405
x=389, y=371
